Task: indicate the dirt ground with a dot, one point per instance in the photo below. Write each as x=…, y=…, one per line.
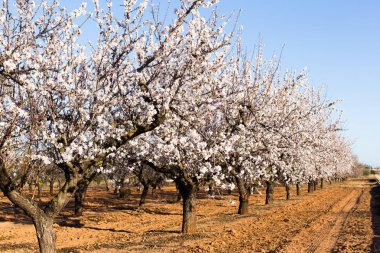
x=342, y=217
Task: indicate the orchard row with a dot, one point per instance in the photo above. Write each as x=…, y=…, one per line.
x=176, y=95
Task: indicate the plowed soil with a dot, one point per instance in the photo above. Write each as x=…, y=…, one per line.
x=342, y=217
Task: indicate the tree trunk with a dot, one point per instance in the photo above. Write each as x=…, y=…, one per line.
x=321, y=183
x=243, y=196
x=211, y=190
x=298, y=187
x=79, y=198
x=43, y=223
x=188, y=192
x=80, y=193
x=287, y=188
x=269, y=192
x=189, y=221
x=310, y=186
x=42, y=218
x=243, y=204
x=45, y=233
x=144, y=194
x=39, y=191
x=315, y=184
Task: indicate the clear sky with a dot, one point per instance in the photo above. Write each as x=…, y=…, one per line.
x=338, y=41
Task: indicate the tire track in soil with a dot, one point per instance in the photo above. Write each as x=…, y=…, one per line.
x=322, y=233
x=330, y=239
x=297, y=217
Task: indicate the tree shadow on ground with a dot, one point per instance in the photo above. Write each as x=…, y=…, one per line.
x=17, y=247
x=375, y=214
x=157, y=239
x=12, y=213
x=96, y=203
x=109, y=229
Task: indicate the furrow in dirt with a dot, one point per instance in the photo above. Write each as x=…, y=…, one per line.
x=270, y=229
x=329, y=239
x=321, y=234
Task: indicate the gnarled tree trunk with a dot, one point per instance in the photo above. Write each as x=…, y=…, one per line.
x=243, y=203
x=144, y=194
x=269, y=192
x=189, y=221
x=310, y=186
x=45, y=232
x=188, y=191
x=211, y=189
x=42, y=218
x=321, y=183
x=298, y=188
x=79, y=197
x=39, y=190
x=43, y=222
x=315, y=184
x=243, y=195
x=287, y=188
x=80, y=193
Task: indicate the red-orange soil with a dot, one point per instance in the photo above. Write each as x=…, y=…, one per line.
x=342, y=217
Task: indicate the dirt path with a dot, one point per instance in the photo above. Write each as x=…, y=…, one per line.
x=321, y=235
x=339, y=218
x=312, y=223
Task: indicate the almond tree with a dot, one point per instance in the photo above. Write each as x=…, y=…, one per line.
x=270, y=126
x=182, y=147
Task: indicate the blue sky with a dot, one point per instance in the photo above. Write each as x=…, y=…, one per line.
x=338, y=41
